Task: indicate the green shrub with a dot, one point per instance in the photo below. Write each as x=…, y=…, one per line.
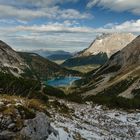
x=52, y=91
x=29, y=88
x=115, y=102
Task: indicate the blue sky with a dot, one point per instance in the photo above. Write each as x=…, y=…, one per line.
x=70, y=25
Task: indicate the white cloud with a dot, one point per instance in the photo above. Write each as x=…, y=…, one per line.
x=22, y=14
x=117, y=5
x=67, y=26
x=44, y=9
x=60, y=35
x=128, y=26
x=44, y=3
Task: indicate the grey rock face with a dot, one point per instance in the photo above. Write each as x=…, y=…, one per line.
x=108, y=43
x=10, y=61
x=18, y=121
x=38, y=128
x=127, y=57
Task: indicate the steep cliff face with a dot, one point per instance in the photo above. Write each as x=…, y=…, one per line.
x=125, y=59
x=10, y=61
x=108, y=43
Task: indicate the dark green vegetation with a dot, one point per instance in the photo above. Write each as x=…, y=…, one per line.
x=28, y=88
x=52, y=91
x=136, y=93
x=109, y=69
x=12, y=85
x=115, y=102
x=44, y=68
x=98, y=59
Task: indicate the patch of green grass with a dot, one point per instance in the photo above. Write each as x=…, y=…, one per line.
x=84, y=68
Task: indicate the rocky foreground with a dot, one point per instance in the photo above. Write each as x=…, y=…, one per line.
x=23, y=119
x=29, y=119
x=92, y=122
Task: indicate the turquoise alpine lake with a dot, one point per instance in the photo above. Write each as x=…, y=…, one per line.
x=65, y=81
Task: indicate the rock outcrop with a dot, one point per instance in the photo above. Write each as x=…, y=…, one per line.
x=10, y=61
x=38, y=128
x=18, y=121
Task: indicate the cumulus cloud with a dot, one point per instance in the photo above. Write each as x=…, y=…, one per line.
x=127, y=26
x=117, y=5
x=45, y=3
x=39, y=9
x=7, y=11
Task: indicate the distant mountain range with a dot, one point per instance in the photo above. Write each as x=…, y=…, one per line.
x=53, y=55
x=106, y=44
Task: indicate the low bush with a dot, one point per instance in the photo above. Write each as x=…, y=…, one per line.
x=115, y=102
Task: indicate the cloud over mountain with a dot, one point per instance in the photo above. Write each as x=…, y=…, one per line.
x=132, y=6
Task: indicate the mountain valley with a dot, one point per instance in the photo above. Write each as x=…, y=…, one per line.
x=69, y=69
x=99, y=105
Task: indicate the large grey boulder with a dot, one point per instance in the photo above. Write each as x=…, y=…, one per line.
x=38, y=128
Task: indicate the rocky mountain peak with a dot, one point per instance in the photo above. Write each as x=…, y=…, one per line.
x=102, y=36
x=108, y=43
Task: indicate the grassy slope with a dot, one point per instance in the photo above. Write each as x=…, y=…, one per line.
x=84, y=68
